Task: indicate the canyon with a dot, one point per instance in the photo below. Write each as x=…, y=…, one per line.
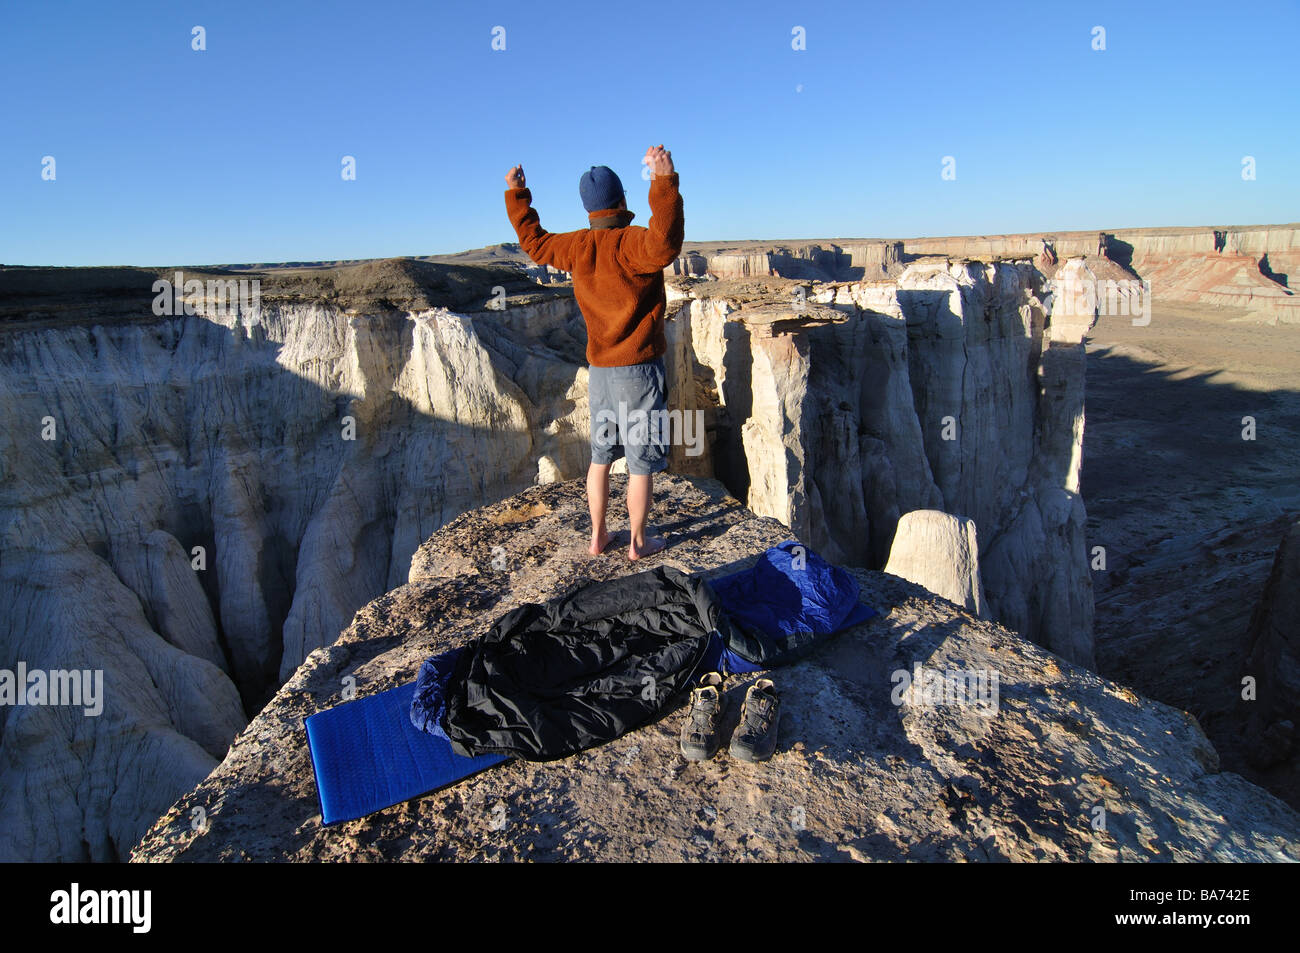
x=199, y=504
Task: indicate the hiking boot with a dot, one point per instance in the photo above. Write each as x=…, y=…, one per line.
x=755, y=736
x=700, y=738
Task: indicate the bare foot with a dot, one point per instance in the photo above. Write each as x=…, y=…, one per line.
x=599, y=542
x=652, y=545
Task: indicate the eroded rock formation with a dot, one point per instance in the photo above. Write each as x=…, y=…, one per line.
x=236, y=484
x=193, y=504
x=952, y=388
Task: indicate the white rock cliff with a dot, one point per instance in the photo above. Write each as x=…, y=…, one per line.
x=192, y=504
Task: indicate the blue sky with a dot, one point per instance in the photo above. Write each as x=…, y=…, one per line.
x=164, y=155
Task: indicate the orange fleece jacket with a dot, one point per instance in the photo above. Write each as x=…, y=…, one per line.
x=617, y=268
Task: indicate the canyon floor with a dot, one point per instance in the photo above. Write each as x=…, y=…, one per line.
x=1189, y=512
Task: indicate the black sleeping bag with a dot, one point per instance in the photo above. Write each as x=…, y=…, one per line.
x=550, y=680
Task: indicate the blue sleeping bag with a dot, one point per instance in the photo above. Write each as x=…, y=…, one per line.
x=783, y=605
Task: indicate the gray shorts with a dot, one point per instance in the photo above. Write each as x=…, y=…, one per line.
x=629, y=415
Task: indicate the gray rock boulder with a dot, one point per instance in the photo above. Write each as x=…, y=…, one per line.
x=940, y=552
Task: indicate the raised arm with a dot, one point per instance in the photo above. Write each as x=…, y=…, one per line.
x=655, y=248
x=543, y=247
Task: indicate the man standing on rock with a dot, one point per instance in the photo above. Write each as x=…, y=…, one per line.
x=618, y=282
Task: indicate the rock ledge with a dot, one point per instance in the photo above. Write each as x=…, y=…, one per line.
x=1071, y=766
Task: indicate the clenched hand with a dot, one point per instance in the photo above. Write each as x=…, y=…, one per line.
x=659, y=159
x=515, y=177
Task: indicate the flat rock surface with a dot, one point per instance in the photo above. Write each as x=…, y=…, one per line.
x=1067, y=765
x=50, y=297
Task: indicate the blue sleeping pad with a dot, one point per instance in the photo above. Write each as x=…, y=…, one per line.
x=367, y=755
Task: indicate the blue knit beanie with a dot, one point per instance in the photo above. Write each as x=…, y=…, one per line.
x=600, y=188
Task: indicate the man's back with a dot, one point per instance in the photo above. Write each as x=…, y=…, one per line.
x=617, y=269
